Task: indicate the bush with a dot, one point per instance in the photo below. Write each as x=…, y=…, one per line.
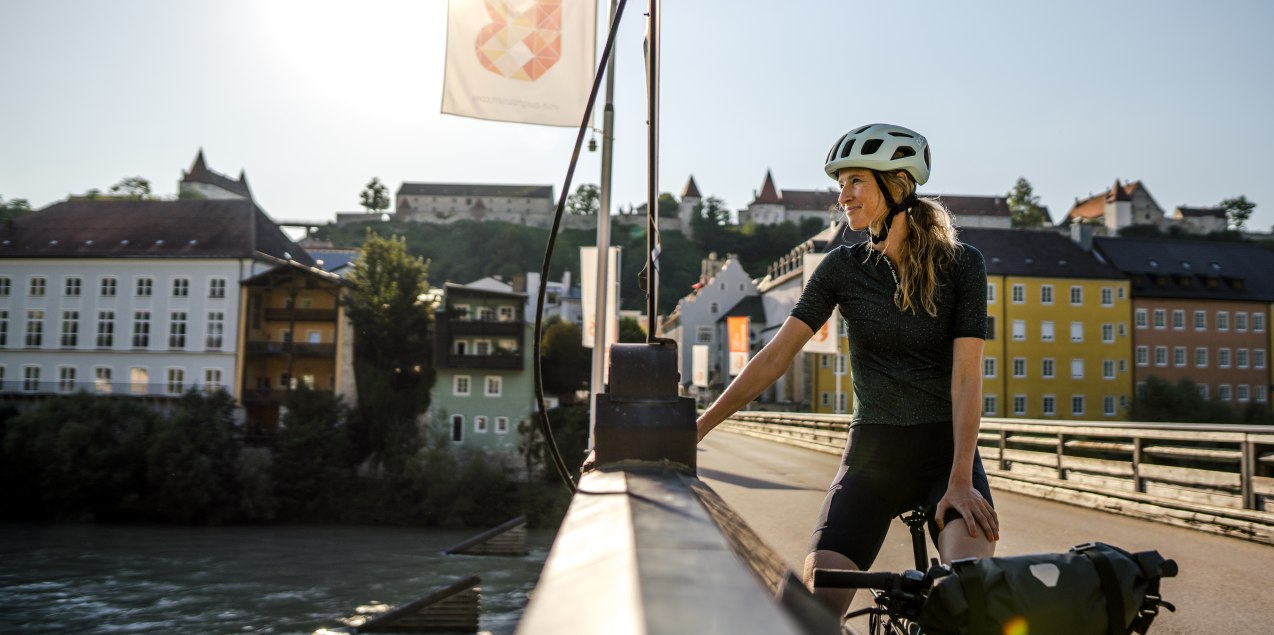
x=193, y=461
x=312, y=469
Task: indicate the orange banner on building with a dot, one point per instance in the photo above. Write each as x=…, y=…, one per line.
x=738, y=329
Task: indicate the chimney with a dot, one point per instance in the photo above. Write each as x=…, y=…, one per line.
x=1082, y=234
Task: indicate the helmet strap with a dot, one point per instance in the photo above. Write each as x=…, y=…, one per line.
x=894, y=208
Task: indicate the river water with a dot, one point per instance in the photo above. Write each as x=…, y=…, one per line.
x=111, y=579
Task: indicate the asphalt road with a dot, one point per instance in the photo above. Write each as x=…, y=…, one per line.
x=1224, y=584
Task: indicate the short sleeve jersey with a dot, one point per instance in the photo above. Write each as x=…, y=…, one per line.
x=901, y=360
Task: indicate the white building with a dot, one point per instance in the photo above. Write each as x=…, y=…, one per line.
x=445, y=203
x=722, y=286
x=127, y=296
x=772, y=206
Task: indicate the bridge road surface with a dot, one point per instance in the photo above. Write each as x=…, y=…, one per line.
x=1225, y=583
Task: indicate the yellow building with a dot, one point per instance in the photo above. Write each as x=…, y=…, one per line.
x=293, y=331
x=832, y=390
x=1059, y=343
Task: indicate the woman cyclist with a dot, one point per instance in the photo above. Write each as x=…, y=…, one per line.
x=914, y=300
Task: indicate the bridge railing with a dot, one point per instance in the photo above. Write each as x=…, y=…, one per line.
x=1215, y=477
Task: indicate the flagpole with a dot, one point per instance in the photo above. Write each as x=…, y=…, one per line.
x=600, y=321
x=652, y=178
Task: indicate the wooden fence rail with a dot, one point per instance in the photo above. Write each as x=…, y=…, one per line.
x=1217, y=476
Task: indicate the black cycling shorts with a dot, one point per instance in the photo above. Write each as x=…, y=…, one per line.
x=886, y=471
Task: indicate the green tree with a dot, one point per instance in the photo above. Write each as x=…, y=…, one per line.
x=565, y=362
x=1160, y=400
x=667, y=205
x=1024, y=205
x=709, y=215
x=375, y=197
x=392, y=340
x=1237, y=211
x=631, y=331
x=13, y=208
x=312, y=471
x=586, y=200
x=193, y=460
x=131, y=187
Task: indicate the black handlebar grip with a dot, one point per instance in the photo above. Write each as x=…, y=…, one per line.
x=1168, y=569
x=842, y=579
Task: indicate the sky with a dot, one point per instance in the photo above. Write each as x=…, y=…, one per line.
x=312, y=99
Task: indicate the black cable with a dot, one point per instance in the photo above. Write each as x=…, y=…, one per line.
x=562, y=469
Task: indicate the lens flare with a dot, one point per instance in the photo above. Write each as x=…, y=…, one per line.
x=1016, y=626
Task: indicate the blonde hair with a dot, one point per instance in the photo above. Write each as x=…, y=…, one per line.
x=929, y=247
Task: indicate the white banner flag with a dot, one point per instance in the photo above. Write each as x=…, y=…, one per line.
x=827, y=338
x=588, y=295
x=525, y=61
x=699, y=359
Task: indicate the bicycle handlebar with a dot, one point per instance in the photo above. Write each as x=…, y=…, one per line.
x=845, y=579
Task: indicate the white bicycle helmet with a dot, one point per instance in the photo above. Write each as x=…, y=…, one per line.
x=881, y=147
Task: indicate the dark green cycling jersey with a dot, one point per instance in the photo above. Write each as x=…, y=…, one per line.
x=901, y=361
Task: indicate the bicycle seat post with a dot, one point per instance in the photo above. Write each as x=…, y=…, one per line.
x=915, y=521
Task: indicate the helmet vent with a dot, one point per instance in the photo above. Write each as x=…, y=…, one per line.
x=871, y=146
x=928, y=164
x=901, y=134
x=860, y=130
x=902, y=151
x=848, y=147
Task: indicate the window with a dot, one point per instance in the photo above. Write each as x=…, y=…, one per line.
x=1222, y=320
x=177, y=330
x=1139, y=318
x=1258, y=322
x=1108, y=369
x=1240, y=322
x=6, y=286
x=30, y=378
x=501, y=425
x=827, y=398
x=217, y=288
x=37, y=287
x=714, y=307
x=1161, y=317
x=72, y=287
x=1077, y=369
x=1122, y=292
x=35, y=328
x=506, y=314
x=990, y=293
x=1240, y=357
x=1077, y=295
x=1107, y=296
x=988, y=404
x=1077, y=331
x=1223, y=358
x=480, y=424
x=1178, y=319
x=1019, y=294
x=1223, y=392
x=1046, y=331
x=4, y=327
x=1019, y=404
x=141, y=329
x=1077, y=405
x=460, y=386
x=825, y=360
x=1143, y=356
x=105, y=329
x=703, y=335
x=1203, y=391
x=145, y=287
x=990, y=328
x=1108, y=406
x=842, y=364
x=70, y=329
x=1179, y=356
x=138, y=380
x=1123, y=329
x=842, y=402
x=1201, y=357
x=212, y=379
x=102, y=379
x=1123, y=365
x=1200, y=320
x=176, y=381
x=457, y=428
x=216, y=329
x=1107, y=333
x=1019, y=330
x=1050, y=405
x=1161, y=356
x=181, y=287
x=1046, y=294
x=482, y=348
x=106, y=287
x=1258, y=394
x=1046, y=368
x=460, y=312
x=495, y=386
x=1258, y=358
x=1019, y=367
x=66, y=379
x=1242, y=393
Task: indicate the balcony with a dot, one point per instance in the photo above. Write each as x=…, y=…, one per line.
x=35, y=387
x=296, y=349
x=262, y=397
x=480, y=327
x=506, y=361
x=300, y=315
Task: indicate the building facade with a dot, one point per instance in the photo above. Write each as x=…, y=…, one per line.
x=444, y=203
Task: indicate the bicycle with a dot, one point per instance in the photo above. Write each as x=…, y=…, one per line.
x=900, y=597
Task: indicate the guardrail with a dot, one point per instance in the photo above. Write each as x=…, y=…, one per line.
x=1214, y=477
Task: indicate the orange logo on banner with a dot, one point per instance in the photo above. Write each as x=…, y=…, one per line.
x=738, y=328
x=521, y=45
